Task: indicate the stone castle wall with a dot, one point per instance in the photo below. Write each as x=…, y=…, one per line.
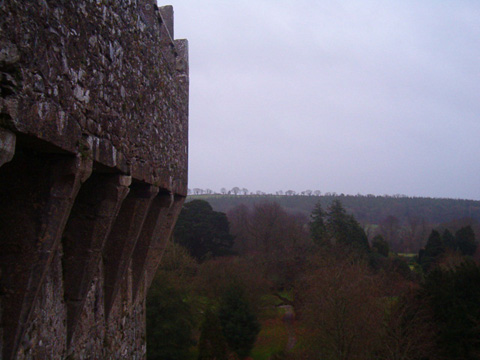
x=93, y=171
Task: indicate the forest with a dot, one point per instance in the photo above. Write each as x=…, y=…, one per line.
x=263, y=281
x=404, y=221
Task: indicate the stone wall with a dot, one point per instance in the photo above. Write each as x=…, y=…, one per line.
x=93, y=172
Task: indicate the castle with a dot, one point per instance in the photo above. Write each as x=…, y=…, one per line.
x=93, y=172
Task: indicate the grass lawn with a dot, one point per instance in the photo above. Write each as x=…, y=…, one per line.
x=271, y=339
x=407, y=255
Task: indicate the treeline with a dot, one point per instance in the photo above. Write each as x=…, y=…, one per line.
x=403, y=221
x=366, y=208
x=272, y=284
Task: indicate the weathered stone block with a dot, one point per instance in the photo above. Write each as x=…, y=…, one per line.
x=7, y=146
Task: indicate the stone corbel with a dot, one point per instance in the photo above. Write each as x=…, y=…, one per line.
x=151, y=238
x=163, y=231
x=95, y=209
x=32, y=226
x=123, y=237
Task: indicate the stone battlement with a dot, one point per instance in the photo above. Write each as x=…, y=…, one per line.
x=93, y=172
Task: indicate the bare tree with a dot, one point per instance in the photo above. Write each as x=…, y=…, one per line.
x=271, y=227
x=340, y=307
x=390, y=228
x=239, y=218
x=408, y=331
x=244, y=191
x=223, y=191
x=412, y=241
x=235, y=190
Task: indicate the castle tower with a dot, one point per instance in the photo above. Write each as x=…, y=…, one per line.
x=93, y=172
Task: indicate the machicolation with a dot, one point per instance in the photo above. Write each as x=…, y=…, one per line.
x=93, y=172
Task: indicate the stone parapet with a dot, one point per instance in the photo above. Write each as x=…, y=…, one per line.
x=103, y=76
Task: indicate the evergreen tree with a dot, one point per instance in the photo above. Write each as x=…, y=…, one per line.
x=434, y=246
x=356, y=235
x=240, y=326
x=465, y=241
x=344, y=229
x=449, y=240
x=317, y=226
x=212, y=344
x=380, y=245
x=454, y=297
x=337, y=221
x=433, y=250
x=202, y=231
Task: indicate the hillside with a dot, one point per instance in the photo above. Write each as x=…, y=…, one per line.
x=366, y=209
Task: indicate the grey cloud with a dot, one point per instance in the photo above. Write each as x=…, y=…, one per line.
x=345, y=96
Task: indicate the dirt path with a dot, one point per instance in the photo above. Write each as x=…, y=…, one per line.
x=288, y=320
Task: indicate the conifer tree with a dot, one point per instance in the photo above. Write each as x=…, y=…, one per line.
x=344, y=229
x=317, y=226
x=454, y=297
x=203, y=231
x=465, y=241
x=380, y=245
x=434, y=247
x=433, y=250
x=449, y=240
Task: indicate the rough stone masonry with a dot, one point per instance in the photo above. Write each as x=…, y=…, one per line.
x=93, y=171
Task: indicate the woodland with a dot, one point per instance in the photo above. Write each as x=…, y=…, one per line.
x=263, y=280
x=405, y=222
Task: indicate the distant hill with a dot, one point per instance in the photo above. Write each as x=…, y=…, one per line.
x=366, y=209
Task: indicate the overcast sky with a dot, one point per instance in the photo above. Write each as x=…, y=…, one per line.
x=354, y=96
